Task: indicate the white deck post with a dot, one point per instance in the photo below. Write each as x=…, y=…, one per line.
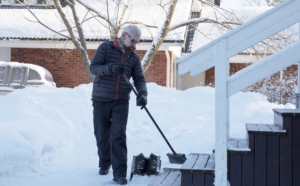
x=222, y=112
x=298, y=89
x=168, y=67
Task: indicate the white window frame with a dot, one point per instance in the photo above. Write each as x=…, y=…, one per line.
x=5, y=54
x=27, y=2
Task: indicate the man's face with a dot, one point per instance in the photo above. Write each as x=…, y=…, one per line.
x=130, y=40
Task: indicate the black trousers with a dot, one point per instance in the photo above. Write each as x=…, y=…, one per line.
x=110, y=120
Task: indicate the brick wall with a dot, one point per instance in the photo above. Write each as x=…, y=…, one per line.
x=68, y=71
x=157, y=71
x=210, y=73
x=64, y=65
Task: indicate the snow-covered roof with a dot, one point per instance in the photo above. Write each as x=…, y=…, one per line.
x=21, y=24
x=206, y=32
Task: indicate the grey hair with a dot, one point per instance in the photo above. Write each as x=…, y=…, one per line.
x=132, y=29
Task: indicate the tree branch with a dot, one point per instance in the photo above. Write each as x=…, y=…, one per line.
x=40, y=22
x=200, y=20
x=138, y=23
x=81, y=50
x=97, y=12
x=123, y=13
x=77, y=23
x=65, y=20
x=159, y=38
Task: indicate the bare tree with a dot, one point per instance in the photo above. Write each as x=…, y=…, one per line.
x=279, y=87
x=119, y=21
x=166, y=28
x=263, y=2
x=79, y=40
x=274, y=2
x=224, y=20
x=113, y=18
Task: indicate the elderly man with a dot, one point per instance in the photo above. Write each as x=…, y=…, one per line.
x=110, y=97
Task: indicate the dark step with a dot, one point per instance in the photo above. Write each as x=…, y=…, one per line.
x=170, y=177
x=268, y=129
x=289, y=120
x=283, y=117
x=239, y=162
x=264, y=142
x=255, y=161
x=198, y=169
x=239, y=146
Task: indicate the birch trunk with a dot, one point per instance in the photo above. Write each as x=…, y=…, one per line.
x=80, y=44
x=147, y=59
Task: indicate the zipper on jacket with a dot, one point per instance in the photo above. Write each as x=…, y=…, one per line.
x=99, y=79
x=118, y=81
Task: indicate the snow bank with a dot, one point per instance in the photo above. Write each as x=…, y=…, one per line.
x=43, y=128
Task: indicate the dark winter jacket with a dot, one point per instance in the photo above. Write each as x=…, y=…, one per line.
x=109, y=87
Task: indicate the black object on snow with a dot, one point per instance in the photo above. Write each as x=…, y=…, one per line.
x=142, y=165
x=153, y=165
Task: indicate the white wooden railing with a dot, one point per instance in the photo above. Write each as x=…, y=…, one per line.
x=217, y=54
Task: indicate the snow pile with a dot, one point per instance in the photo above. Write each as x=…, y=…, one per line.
x=46, y=135
x=37, y=131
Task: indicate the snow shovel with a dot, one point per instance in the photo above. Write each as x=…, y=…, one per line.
x=175, y=158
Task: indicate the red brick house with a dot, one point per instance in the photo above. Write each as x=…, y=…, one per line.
x=22, y=40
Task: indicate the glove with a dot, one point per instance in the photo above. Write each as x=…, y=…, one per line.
x=141, y=100
x=117, y=69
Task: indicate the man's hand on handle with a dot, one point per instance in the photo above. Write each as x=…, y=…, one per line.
x=141, y=100
x=117, y=69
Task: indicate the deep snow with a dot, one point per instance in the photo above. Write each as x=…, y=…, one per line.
x=46, y=135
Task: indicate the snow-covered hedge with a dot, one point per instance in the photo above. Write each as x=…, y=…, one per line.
x=278, y=89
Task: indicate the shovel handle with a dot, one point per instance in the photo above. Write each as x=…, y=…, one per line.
x=135, y=92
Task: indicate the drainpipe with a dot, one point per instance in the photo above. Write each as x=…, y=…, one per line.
x=168, y=67
x=298, y=89
x=174, y=73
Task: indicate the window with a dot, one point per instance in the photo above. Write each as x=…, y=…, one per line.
x=19, y=1
x=41, y=2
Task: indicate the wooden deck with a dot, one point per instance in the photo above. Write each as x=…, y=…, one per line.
x=170, y=177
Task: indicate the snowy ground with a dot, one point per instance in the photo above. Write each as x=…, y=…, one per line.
x=46, y=135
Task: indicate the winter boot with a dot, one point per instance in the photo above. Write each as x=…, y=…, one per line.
x=104, y=170
x=120, y=180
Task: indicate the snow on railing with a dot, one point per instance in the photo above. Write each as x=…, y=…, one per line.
x=218, y=52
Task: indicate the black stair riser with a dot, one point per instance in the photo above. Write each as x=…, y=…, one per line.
x=274, y=159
